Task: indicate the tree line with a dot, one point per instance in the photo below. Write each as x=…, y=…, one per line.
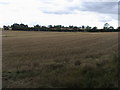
x=60, y=28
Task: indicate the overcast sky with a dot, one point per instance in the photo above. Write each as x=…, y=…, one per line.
x=59, y=12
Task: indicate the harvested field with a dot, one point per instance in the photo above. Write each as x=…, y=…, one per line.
x=59, y=59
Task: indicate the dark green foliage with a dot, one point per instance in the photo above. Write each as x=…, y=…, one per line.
x=19, y=27
x=60, y=28
x=6, y=27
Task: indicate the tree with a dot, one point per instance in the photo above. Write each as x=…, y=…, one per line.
x=94, y=29
x=70, y=26
x=106, y=26
x=60, y=28
x=37, y=28
x=83, y=27
x=118, y=29
x=6, y=27
x=111, y=28
x=88, y=28
x=15, y=26
x=44, y=28
x=23, y=27
x=50, y=26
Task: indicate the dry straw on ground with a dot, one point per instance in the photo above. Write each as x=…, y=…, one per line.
x=59, y=59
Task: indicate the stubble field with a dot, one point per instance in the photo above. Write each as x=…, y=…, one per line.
x=59, y=59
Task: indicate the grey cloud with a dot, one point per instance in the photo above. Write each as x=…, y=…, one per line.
x=109, y=8
x=101, y=7
x=105, y=20
x=58, y=12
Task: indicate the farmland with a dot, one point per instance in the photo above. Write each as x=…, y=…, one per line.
x=59, y=59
